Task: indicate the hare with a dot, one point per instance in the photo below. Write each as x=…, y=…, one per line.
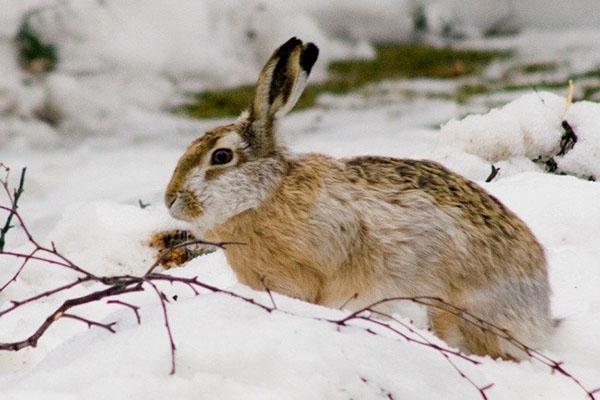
x=325, y=230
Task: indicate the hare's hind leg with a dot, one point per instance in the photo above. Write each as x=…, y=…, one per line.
x=445, y=326
x=464, y=335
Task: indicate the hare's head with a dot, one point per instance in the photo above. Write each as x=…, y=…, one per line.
x=233, y=168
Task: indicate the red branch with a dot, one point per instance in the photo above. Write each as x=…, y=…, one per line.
x=89, y=322
x=135, y=309
x=163, y=304
x=32, y=340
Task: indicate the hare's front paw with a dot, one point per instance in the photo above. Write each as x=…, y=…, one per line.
x=170, y=249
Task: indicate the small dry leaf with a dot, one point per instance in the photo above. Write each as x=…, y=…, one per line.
x=163, y=241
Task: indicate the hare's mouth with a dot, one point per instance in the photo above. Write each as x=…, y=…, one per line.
x=185, y=206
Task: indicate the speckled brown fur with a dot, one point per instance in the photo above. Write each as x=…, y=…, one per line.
x=322, y=230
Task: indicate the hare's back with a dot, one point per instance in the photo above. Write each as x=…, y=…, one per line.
x=398, y=181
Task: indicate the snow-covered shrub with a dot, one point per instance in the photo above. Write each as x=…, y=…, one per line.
x=532, y=127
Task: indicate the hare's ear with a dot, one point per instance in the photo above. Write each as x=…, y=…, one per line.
x=279, y=86
x=283, y=79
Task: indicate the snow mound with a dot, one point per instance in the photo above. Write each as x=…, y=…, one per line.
x=584, y=158
x=230, y=350
x=530, y=128
x=111, y=238
x=115, y=58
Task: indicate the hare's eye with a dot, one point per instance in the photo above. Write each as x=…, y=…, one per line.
x=221, y=156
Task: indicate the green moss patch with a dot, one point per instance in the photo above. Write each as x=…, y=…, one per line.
x=35, y=55
x=392, y=61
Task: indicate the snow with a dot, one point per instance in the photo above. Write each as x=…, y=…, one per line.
x=530, y=128
x=125, y=63
x=227, y=348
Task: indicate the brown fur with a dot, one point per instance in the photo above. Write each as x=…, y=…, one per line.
x=323, y=230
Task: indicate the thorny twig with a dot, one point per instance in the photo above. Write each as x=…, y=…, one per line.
x=163, y=303
x=502, y=333
x=135, y=309
x=120, y=285
x=90, y=323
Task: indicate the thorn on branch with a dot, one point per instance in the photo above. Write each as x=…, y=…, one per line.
x=135, y=309
x=196, y=292
x=89, y=322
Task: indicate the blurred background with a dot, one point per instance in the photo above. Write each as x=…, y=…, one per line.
x=74, y=68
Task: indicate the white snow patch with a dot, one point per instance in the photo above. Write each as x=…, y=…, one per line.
x=531, y=128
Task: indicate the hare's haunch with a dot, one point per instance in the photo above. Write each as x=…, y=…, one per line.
x=322, y=229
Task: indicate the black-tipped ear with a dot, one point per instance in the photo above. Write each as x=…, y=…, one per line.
x=281, y=81
x=309, y=57
x=279, y=87
x=283, y=78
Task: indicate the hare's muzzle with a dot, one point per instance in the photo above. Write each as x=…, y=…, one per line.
x=183, y=205
x=170, y=199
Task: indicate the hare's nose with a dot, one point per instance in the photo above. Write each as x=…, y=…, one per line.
x=170, y=199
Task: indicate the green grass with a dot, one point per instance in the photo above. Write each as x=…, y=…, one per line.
x=464, y=93
x=590, y=92
x=35, y=55
x=539, y=67
x=392, y=61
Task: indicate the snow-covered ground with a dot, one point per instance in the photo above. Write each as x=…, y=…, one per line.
x=117, y=145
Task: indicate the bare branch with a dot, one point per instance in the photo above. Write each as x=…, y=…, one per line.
x=19, y=303
x=502, y=333
x=14, y=200
x=20, y=269
x=163, y=304
x=32, y=340
x=90, y=323
x=135, y=309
